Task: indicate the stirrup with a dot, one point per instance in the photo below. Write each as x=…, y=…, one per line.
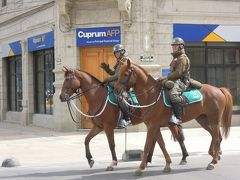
x=174, y=120
x=123, y=124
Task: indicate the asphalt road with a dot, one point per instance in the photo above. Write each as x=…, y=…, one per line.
x=227, y=169
x=45, y=154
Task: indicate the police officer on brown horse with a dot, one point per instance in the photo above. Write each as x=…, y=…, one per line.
x=121, y=56
x=178, y=80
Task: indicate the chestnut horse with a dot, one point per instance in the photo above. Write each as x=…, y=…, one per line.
x=96, y=94
x=215, y=108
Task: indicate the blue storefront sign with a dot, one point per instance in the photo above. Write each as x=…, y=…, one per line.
x=12, y=49
x=41, y=41
x=98, y=36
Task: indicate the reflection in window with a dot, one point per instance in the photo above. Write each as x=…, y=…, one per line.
x=14, y=83
x=44, y=78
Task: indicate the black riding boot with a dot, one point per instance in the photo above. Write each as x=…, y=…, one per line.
x=176, y=116
x=124, y=119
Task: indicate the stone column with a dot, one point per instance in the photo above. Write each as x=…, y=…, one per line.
x=25, y=105
x=65, y=55
x=3, y=93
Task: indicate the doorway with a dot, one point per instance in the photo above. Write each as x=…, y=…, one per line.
x=90, y=60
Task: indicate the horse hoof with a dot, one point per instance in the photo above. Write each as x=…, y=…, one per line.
x=138, y=172
x=167, y=170
x=183, y=162
x=219, y=157
x=109, y=168
x=91, y=163
x=210, y=166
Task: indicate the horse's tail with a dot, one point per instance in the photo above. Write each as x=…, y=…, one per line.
x=227, y=115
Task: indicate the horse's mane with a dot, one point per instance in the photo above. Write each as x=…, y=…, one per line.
x=90, y=75
x=141, y=68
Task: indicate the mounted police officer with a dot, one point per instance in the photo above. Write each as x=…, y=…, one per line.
x=178, y=80
x=121, y=56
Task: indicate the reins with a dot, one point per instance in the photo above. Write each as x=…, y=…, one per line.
x=91, y=116
x=144, y=106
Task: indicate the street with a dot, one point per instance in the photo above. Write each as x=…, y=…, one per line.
x=44, y=154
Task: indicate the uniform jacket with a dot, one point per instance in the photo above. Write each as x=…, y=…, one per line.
x=179, y=67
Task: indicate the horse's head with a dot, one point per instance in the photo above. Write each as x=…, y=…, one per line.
x=70, y=85
x=126, y=77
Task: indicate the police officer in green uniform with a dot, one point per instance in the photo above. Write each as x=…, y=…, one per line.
x=121, y=56
x=178, y=79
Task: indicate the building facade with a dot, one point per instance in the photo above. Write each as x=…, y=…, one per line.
x=38, y=38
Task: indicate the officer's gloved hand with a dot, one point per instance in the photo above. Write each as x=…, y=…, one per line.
x=104, y=65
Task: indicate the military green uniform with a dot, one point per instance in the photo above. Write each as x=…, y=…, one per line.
x=114, y=73
x=124, y=119
x=180, y=75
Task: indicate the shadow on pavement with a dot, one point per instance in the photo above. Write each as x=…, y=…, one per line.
x=101, y=174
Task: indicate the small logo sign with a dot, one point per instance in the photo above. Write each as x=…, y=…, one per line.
x=41, y=41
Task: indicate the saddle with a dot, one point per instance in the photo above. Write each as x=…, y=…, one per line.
x=112, y=98
x=191, y=95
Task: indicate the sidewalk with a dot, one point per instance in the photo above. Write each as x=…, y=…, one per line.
x=34, y=146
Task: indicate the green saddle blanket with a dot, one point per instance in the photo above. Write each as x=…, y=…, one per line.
x=193, y=95
x=112, y=97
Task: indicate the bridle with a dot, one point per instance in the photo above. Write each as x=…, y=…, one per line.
x=127, y=82
x=78, y=93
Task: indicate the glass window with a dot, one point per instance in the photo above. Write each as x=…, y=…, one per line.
x=232, y=75
x=4, y=3
x=222, y=67
x=14, y=83
x=198, y=73
x=216, y=76
x=44, y=78
x=231, y=56
x=196, y=55
x=215, y=56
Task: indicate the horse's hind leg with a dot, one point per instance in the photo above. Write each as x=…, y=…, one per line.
x=110, y=136
x=178, y=134
x=93, y=132
x=203, y=121
x=213, y=128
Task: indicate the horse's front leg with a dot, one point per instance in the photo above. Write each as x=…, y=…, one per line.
x=110, y=136
x=178, y=134
x=168, y=160
x=93, y=132
x=151, y=137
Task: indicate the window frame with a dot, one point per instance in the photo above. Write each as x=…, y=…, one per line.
x=37, y=54
x=206, y=66
x=4, y=3
x=13, y=59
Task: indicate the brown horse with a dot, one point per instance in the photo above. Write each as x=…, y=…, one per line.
x=95, y=94
x=215, y=108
